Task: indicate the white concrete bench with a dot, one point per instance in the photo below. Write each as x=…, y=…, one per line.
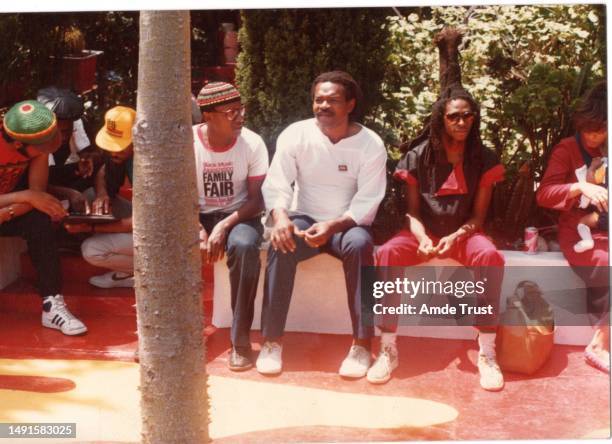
x=318, y=304
x=10, y=262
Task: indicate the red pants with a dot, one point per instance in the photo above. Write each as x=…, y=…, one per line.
x=475, y=251
x=593, y=268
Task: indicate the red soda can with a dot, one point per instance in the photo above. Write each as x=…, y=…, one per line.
x=531, y=240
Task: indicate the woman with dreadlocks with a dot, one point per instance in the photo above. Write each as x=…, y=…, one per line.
x=449, y=176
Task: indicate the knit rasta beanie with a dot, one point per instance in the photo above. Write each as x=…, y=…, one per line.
x=30, y=122
x=217, y=93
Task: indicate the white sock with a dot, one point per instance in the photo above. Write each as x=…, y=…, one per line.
x=587, y=240
x=584, y=231
x=486, y=342
x=388, y=338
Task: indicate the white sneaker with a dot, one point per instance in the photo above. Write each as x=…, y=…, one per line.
x=56, y=315
x=269, y=361
x=356, y=363
x=584, y=245
x=113, y=279
x=387, y=361
x=491, y=377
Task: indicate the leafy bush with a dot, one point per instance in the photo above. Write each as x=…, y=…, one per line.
x=502, y=46
x=25, y=55
x=526, y=65
x=284, y=50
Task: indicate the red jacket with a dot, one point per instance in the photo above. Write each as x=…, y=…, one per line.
x=555, y=187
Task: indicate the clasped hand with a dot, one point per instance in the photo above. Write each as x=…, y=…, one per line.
x=445, y=245
x=283, y=231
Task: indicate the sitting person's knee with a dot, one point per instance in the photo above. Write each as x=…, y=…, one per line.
x=384, y=253
x=38, y=219
x=91, y=250
x=37, y=224
x=359, y=242
x=490, y=256
x=243, y=247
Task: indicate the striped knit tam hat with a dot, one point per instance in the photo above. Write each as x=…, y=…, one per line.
x=217, y=93
x=30, y=122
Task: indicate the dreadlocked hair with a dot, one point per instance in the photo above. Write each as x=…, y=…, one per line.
x=448, y=41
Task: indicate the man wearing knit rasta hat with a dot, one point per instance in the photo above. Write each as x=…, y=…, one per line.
x=231, y=164
x=449, y=176
x=28, y=133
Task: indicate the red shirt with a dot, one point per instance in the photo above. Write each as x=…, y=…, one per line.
x=13, y=163
x=446, y=192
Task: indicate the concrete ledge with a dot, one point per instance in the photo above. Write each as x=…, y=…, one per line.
x=319, y=304
x=10, y=262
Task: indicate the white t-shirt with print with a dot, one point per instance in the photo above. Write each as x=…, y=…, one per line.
x=222, y=175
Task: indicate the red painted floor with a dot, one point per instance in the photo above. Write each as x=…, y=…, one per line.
x=565, y=399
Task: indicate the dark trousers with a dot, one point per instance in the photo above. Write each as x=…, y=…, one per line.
x=242, y=247
x=36, y=228
x=354, y=247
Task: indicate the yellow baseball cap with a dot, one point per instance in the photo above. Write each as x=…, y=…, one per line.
x=116, y=134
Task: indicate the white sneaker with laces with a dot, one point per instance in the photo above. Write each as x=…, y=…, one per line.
x=491, y=377
x=269, y=361
x=356, y=363
x=113, y=279
x=385, y=363
x=56, y=315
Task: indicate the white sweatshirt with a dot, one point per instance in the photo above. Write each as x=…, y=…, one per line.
x=331, y=180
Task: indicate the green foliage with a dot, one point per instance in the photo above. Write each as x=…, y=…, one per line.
x=29, y=41
x=283, y=51
x=540, y=108
x=37, y=42
x=526, y=65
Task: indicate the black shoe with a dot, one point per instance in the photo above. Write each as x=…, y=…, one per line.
x=240, y=359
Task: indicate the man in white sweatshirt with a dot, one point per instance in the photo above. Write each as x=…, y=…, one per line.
x=336, y=168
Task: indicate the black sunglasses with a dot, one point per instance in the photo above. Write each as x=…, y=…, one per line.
x=455, y=117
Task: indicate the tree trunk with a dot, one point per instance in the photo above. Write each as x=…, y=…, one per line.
x=174, y=401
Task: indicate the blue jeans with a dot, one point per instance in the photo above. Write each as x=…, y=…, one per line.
x=242, y=247
x=354, y=247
